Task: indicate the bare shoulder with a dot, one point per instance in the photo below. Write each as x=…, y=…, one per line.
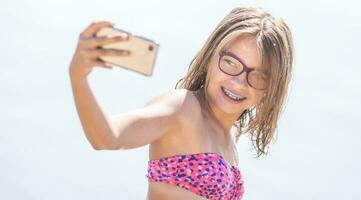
x=183, y=138
x=182, y=101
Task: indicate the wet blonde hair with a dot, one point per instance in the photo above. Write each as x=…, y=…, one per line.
x=274, y=41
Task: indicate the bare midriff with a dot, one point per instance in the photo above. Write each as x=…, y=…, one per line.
x=164, y=191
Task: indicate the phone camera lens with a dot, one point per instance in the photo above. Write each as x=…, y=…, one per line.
x=150, y=48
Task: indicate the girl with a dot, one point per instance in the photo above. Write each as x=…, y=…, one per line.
x=236, y=84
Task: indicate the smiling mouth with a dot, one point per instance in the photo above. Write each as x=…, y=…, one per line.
x=232, y=96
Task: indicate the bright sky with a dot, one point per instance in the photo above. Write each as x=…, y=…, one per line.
x=44, y=153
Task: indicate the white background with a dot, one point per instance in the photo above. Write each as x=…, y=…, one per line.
x=44, y=153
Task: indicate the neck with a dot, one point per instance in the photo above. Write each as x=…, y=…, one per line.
x=223, y=120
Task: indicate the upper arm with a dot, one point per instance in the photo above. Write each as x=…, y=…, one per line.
x=142, y=126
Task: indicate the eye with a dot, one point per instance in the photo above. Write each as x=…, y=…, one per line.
x=262, y=75
x=259, y=75
x=229, y=62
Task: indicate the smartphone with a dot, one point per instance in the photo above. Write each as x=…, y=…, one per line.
x=143, y=51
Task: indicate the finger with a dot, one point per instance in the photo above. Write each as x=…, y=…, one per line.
x=103, y=40
x=107, y=52
x=94, y=27
x=100, y=63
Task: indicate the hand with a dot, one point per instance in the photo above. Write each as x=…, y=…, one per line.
x=89, y=50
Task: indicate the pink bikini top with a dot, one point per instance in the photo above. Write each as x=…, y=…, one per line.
x=206, y=174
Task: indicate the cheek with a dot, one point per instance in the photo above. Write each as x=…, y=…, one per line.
x=216, y=77
x=256, y=97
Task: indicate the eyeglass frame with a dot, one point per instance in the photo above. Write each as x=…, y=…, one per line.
x=244, y=69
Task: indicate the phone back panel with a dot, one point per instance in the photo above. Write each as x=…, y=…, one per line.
x=143, y=51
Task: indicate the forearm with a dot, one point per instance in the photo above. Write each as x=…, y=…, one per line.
x=94, y=119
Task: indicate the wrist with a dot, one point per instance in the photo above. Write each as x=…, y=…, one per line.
x=75, y=78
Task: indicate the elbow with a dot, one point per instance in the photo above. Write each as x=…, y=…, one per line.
x=101, y=146
x=98, y=147
x=108, y=146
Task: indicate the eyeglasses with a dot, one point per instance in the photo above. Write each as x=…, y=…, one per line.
x=230, y=64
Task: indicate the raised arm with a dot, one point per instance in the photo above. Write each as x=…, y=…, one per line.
x=126, y=130
x=131, y=129
x=159, y=116
x=93, y=118
x=95, y=121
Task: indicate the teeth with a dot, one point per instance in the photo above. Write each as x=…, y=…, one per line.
x=233, y=96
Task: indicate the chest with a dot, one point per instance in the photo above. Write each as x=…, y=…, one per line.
x=206, y=174
x=196, y=137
